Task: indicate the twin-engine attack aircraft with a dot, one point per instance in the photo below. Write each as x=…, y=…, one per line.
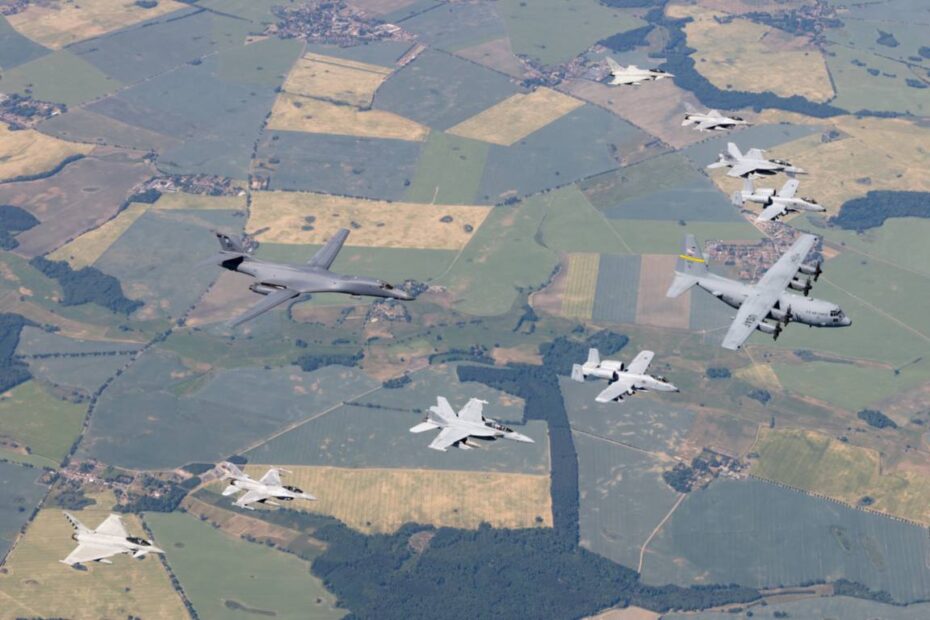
x=109, y=539
x=280, y=282
x=753, y=162
x=776, y=204
x=767, y=298
x=710, y=120
x=633, y=75
x=268, y=487
x=457, y=429
x=623, y=380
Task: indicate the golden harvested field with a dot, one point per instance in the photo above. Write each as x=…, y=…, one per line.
x=279, y=217
x=59, y=23
x=741, y=55
x=656, y=273
x=760, y=374
x=335, y=79
x=580, y=286
x=311, y=115
x=86, y=249
x=517, y=117
x=36, y=583
x=30, y=152
x=815, y=462
x=381, y=500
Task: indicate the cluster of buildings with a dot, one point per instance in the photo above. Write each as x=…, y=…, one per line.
x=332, y=21
x=202, y=184
x=751, y=259
x=21, y=111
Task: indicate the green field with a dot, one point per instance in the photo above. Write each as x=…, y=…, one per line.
x=571, y=224
x=61, y=77
x=857, y=90
x=45, y=424
x=900, y=242
x=19, y=495
x=449, y=170
x=225, y=577
x=665, y=237
x=555, y=31
x=827, y=608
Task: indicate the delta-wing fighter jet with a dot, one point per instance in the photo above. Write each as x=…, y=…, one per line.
x=458, y=429
x=269, y=487
x=280, y=282
x=711, y=120
x=766, y=299
x=623, y=380
x=109, y=539
x=752, y=162
x=776, y=204
x=633, y=75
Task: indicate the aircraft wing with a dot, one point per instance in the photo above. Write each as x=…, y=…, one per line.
x=714, y=113
x=250, y=498
x=272, y=477
x=270, y=301
x=789, y=188
x=471, y=412
x=112, y=526
x=771, y=212
x=90, y=553
x=742, y=169
x=707, y=124
x=641, y=362
x=613, y=64
x=620, y=80
x=615, y=391
x=755, y=154
x=448, y=437
x=327, y=254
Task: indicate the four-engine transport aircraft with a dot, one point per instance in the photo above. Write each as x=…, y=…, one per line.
x=776, y=204
x=108, y=539
x=262, y=491
x=753, y=162
x=767, y=298
x=457, y=429
x=632, y=75
x=710, y=120
x=623, y=380
x=280, y=282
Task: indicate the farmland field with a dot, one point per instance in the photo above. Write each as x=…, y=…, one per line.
x=19, y=495
x=29, y=152
x=581, y=286
x=449, y=170
x=516, y=117
x=44, y=423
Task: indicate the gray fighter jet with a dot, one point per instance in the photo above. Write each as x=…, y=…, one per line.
x=268, y=487
x=632, y=75
x=766, y=299
x=109, y=539
x=280, y=283
x=457, y=429
x=753, y=162
x=623, y=380
x=776, y=204
x=711, y=120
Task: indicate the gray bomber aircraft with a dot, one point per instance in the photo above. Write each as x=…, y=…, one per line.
x=109, y=539
x=710, y=120
x=632, y=75
x=752, y=162
x=457, y=429
x=280, y=282
x=268, y=487
x=623, y=380
x=767, y=298
x=776, y=204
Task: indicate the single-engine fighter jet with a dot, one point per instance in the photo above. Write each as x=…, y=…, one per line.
x=778, y=203
x=280, y=282
x=632, y=75
x=457, y=429
x=109, y=539
x=753, y=162
x=623, y=381
x=710, y=120
x=767, y=298
x=268, y=487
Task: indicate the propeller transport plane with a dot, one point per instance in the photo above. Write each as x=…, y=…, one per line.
x=753, y=162
x=623, y=380
x=262, y=491
x=767, y=298
x=632, y=75
x=280, y=283
x=778, y=203
x=458, y=429
x=108, y=539
x=711, y=120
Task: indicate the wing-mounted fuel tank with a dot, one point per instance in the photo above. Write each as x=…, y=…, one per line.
x=264, y=289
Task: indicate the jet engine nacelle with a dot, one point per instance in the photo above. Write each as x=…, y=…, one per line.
x=263, y=289
x=604, y=373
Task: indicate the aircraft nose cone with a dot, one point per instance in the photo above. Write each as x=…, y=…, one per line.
x=847, y=321
x=521, y=438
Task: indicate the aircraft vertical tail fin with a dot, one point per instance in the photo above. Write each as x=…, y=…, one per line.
x=734, y=151
x=577, y=373
x=230, y=244
x=442, y=410
x=594, y=357
x=691, y=266
x=230, y=471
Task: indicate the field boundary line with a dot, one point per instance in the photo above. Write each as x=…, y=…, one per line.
x=655, y=531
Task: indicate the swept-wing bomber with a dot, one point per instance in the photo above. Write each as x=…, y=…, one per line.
x=457, y=429
x=280, y=282
x=623, y=380
x=269, y=487
x=632, y=75
x=778, y=203
x=766, y=299
x=752, y=162
x=108, y=539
